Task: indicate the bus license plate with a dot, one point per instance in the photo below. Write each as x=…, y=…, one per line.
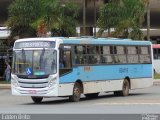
x=32, y=91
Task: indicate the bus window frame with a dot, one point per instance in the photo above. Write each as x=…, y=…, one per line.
x=149, y=53
x=113, y=53
x=64, y=71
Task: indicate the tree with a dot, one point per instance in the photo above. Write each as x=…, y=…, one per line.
x=21, y=15
x=109, y=16
x=59, y=18
x=29, y=17
x=126, y=18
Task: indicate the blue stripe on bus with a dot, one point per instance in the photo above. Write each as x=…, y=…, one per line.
x=108, y=72
x=105, y=41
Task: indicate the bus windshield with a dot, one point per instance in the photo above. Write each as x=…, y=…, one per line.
x=34, y=62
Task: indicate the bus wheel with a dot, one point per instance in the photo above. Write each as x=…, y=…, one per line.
x=37, y=99
x=77, y=90
x=125, y=88
x=92, y=95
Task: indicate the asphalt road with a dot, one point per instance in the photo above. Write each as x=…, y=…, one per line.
x=140, y=101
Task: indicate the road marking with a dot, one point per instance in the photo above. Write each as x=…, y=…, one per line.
x=146, y=103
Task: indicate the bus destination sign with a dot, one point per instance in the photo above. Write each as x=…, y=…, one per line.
x=35, y=44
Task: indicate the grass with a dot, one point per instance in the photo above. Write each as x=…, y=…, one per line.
x=156, y=76
x=2, y=81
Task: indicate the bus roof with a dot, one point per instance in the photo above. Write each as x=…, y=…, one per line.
x=36, y=39
x=89, y=40
x=110, y=41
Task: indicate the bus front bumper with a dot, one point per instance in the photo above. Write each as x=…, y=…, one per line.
x=45, y=92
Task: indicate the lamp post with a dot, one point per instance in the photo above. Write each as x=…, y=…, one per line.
x=63, y=6
x=148, y=20
x=84, y=17
x=95, y=18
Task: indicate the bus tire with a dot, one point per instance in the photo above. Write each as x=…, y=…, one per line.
x=37, y=99
x=92, y=95
x=77, y=90
x=125, y=88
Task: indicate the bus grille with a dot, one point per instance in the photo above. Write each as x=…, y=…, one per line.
x=33, y=85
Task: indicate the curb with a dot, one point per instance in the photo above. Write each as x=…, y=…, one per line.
x=156, y=82
x=8, y=86
x=5, y=86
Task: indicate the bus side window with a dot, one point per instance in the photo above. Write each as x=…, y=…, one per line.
x=80, y=55
x=158, y=54
x=67, y=59
x=61, y=61
x=155, y=54
x=64, y=61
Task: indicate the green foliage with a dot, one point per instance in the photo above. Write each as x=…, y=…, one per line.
x=156, y=76
x=21, y=14
x=26, y=15
x=60, y=17
x=109, y=16
x=126, y=17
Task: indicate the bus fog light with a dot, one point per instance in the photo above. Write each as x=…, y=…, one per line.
x=52, y=82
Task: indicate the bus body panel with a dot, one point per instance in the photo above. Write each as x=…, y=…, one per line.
x=105, y=86
x=111, y=79
x=141, y=83
x=92, y=87
x=107, y=72
x=65, y=89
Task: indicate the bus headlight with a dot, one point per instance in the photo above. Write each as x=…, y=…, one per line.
x=14, y=81
x=52, y=82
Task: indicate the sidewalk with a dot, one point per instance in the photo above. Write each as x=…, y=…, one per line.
x=156, y=82
x=5, y=86
x=8, y=86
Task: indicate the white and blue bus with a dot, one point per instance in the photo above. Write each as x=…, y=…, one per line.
x=69, y=67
